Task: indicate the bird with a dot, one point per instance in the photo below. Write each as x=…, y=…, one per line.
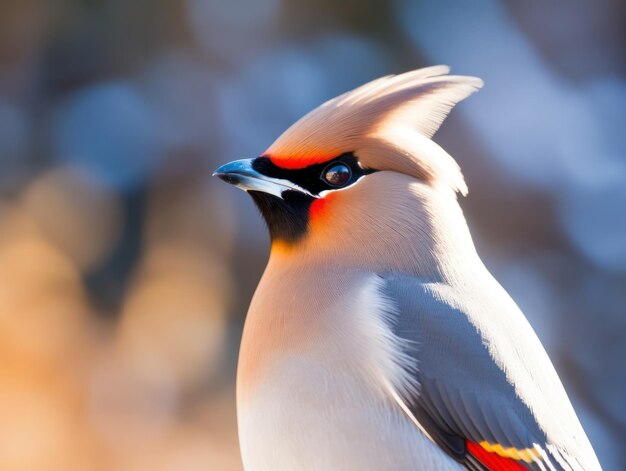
x=376, y=338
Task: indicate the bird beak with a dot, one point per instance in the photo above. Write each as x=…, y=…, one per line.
x=241, y=174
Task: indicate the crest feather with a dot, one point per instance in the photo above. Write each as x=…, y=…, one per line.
x=414, y=102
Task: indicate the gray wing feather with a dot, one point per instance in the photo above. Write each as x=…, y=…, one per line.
x=467, y=390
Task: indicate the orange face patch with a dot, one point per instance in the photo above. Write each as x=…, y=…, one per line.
x=320, y=209
x=317, y=208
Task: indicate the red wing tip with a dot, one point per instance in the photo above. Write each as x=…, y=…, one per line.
x=493, y=461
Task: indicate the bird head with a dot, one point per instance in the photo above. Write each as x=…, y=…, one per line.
x=351, y=167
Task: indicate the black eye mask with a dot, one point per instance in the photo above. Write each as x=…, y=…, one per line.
x=311, y=178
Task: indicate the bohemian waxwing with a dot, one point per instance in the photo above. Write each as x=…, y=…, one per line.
x=377, y=339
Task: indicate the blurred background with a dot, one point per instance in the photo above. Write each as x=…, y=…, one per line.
x=126, y=270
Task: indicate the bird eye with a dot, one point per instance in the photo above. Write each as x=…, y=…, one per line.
x=337, y=174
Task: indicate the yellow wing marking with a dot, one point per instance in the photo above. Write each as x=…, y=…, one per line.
x=527, y=455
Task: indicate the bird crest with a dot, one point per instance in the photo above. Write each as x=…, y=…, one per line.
x=387, y=123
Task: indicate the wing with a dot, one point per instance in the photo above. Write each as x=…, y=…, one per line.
x=488, y=393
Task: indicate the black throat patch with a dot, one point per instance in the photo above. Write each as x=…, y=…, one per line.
x=288, y=218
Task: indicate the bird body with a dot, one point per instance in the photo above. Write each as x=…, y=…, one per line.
x=376, y=338
x=302, y=400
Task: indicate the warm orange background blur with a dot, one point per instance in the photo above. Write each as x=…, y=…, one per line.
x=125, y=270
